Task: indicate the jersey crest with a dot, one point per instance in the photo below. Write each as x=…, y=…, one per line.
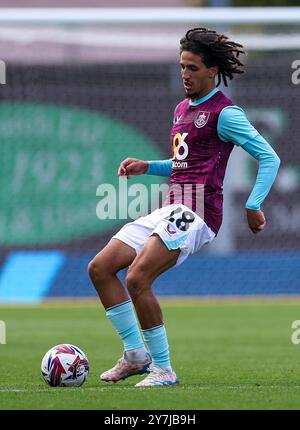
x=201, y=119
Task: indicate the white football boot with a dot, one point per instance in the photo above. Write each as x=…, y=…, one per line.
x=124, y=368
x=158, y=377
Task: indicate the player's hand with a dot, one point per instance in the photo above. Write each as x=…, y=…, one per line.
x=256, y=220
x=132, y=166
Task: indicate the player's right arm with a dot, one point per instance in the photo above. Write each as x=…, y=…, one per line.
x=134, y=166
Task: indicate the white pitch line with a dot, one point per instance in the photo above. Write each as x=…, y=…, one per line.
x=191, y=388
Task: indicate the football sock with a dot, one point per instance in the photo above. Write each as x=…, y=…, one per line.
x=124, y=321
x=157, y=343
x=136, y=355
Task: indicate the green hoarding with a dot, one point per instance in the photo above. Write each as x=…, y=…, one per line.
x=53, y=159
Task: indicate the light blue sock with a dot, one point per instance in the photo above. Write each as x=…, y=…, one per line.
x=124, y=321
x=157, y=343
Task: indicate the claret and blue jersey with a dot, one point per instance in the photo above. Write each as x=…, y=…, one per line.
x=203, y=135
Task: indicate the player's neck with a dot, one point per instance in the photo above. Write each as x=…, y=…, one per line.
x=203, y=93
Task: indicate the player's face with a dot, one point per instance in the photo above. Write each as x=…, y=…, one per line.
x=198, y=79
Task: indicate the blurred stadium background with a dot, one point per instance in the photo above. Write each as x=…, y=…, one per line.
x=83, y=93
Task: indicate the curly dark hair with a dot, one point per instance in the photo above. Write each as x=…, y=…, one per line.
x=216, y=50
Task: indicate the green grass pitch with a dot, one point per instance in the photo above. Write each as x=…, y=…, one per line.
x=227, y=355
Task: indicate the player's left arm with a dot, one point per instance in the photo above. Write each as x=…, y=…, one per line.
x=234, y=126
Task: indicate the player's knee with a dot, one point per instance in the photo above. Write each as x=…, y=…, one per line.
x=92, y=270
x=136, y=282
x=97, y=271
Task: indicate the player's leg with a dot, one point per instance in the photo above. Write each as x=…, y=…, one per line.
x=103, y=271
x=178, y=227
x=154, y=259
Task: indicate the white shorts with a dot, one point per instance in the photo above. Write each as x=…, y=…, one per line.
x=176, y=225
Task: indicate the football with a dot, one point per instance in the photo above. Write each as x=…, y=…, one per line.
x=65, y=365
